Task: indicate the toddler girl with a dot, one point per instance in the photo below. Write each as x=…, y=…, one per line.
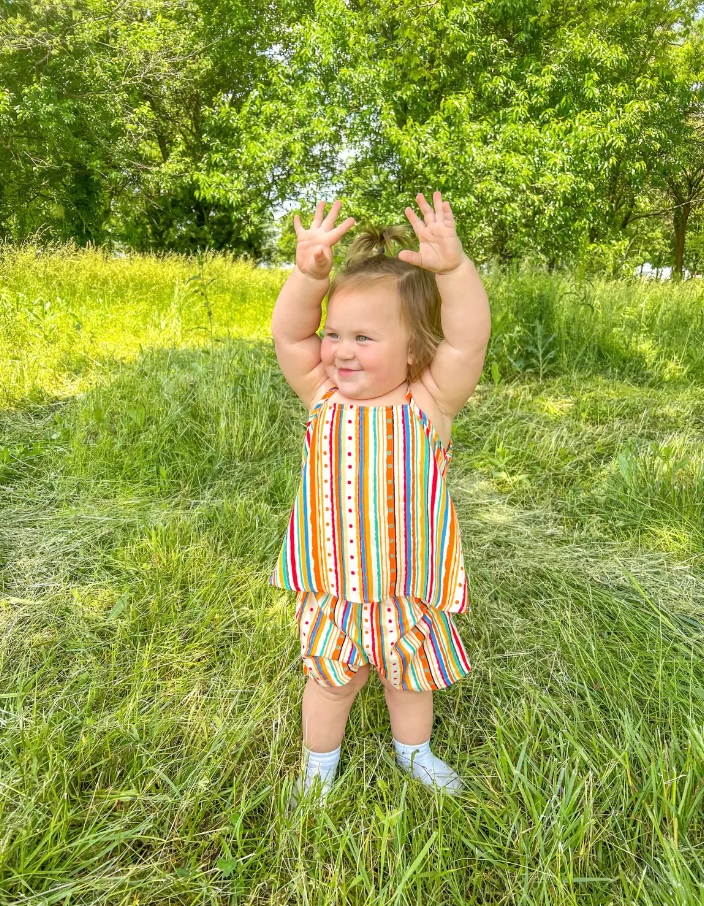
x=373, y=547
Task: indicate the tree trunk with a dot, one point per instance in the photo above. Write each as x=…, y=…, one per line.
x=680, y=218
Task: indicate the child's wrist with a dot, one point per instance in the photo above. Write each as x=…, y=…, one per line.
x=466, y=260
x=307, y=276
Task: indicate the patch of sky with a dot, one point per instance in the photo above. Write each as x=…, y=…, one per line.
x=661, y=273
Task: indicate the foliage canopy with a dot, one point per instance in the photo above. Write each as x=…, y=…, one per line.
x=566, y=135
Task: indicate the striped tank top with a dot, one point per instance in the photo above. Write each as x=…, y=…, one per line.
x=373, y=516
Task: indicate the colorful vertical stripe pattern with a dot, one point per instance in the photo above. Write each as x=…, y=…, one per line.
x=373, y=516
x=416, y=647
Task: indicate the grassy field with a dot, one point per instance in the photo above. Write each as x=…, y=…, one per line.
x=150, y=678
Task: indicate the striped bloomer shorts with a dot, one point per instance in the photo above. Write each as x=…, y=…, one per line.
x=412, y=644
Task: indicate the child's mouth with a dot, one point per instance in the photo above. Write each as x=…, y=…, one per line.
x=346, y=371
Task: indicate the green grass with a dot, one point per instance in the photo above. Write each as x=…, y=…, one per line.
x=150, y=678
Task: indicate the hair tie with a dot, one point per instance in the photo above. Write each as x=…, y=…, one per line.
x=381, y=250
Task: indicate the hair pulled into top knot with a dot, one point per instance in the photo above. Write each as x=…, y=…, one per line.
x=372, y=240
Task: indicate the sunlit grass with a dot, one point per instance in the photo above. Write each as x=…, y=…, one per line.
x=67, y=317
x=150, y=679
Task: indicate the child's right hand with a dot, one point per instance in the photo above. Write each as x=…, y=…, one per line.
x=314, y=249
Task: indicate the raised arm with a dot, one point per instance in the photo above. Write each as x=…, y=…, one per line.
x=466, y=318
x=298, y=309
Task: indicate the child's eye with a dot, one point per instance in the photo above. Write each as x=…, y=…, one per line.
x=331, y=334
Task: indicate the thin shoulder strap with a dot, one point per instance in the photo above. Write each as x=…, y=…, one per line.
x=326, y=396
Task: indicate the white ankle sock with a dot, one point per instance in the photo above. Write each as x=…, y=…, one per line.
x=419, y=761
x=319, y=764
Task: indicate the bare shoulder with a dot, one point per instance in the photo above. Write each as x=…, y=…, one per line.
x=319, y=393
x=424, y=392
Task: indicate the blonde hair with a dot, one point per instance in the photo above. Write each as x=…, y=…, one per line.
x=372, y=256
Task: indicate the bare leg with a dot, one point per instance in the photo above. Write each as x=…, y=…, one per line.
x=411, y=716
x=411, y=713
x=325, y=711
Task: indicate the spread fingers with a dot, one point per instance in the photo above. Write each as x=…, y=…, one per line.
x=428, y=212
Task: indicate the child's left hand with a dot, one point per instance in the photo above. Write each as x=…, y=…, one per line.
x=440, y=248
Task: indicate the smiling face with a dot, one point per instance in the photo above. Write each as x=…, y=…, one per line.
x=364, y=333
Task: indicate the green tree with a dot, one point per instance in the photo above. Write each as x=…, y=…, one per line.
x=102, y=113
x=542, y=124
x=556, y=131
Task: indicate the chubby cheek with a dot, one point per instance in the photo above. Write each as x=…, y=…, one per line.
x=371, y=359
x=327, y=353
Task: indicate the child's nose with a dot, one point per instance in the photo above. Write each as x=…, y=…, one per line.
x=345, y=352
